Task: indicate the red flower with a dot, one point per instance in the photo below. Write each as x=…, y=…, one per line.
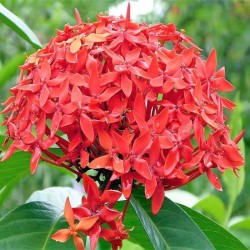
x=83, y=225
x=99, y=206
x=115, y=234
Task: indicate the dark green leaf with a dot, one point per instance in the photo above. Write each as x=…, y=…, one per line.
x=138, y=235
x=171, y=228
x=17, y=25
x=219, y=237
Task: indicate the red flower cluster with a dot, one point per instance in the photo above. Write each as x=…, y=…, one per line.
x=134, y=104
x=96, y=210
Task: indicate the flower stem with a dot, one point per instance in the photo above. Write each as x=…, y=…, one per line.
x=125, y=208
x=61, y=165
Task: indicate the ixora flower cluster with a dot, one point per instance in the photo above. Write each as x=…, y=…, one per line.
x=127, y=105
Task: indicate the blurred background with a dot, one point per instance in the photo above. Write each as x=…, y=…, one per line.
x=220, y=24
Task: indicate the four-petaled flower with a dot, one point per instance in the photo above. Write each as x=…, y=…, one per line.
x=83, y=225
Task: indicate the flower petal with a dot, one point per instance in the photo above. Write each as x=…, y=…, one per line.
x=68, y=214
x=141, y=166
x=121, y=143
x=35, y=159
x=75, y=45
x=44, y=95
x=61, y=235
x=100, y=162
x=141, y=143
x=87, y=127
x=78, y=242
x=213, y=179
x=86, y=223
x=158, y=198
x=111, y=197
x=172, y=159
x=45, y=71
x=126, y=85
x=211, y=63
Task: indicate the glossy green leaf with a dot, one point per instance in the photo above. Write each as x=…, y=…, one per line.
x=218, y=236
x=17, y=25
x=31, y=225
x=243, y=235
x=212, y=206
x=138, y=235
x=171, y=228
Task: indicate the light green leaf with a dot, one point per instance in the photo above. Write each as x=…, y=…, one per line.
x=242, y=224
x=128, y=245
x=17, y=25
x=10, y=68
x=16, y=167
x=7, y=189
x=213, y=206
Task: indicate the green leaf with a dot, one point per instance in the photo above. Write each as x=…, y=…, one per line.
x=31, y=225
x=7, y=189
x=213, y=206
x=128, y=245
x=218, y=236
x=12, y=171
x=242, y=224
x=10, y=68
x=241, y=229
x=138, y=235
x=16, y=167
x=179, y=227
x=171, y=228
x=17, y=25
